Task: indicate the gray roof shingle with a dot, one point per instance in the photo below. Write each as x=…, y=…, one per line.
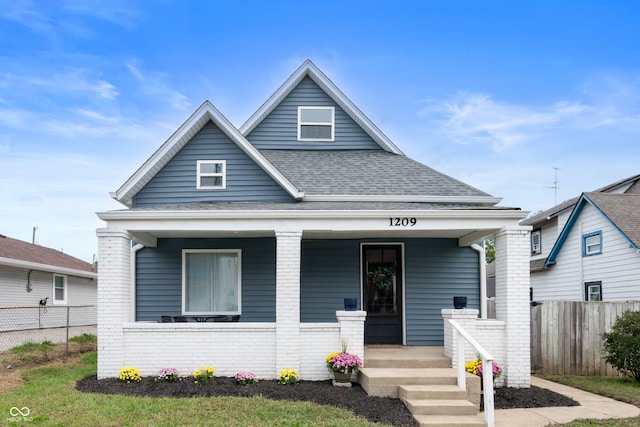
x=364, y=172
x=622, y=209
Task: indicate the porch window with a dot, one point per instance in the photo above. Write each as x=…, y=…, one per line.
x=592, y=243
x=211, y=281
x=316, y=123
x=212, y=175
x=59, y=289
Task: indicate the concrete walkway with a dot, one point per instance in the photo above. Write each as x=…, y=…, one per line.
x=591, y=406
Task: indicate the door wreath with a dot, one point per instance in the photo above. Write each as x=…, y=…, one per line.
x=382, y=277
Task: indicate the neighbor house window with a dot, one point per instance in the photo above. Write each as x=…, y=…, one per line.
x=212, y=174
x=592, y=243
x=211, y=281
x=536, y=242
x=593, y=291
x=316, y=123
x=59, y=289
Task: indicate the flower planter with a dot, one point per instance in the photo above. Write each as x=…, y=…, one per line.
x=459, y=302
x=350, y=304
x=342, y=377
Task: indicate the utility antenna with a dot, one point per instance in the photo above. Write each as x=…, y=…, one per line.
x=555, y=185
x=33, y=236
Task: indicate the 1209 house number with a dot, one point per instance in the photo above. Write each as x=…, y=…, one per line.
x=402, y=222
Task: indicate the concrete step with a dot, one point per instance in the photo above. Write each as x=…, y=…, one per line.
x=384, y=382
x=450, y=420
x=406, y=357
x=431, y=391
x=440, y=407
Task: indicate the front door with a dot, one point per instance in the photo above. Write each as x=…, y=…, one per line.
x=382, y=293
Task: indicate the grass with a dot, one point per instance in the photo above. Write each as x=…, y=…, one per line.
x=32, y=351
x=618, y=388
x=49, y=392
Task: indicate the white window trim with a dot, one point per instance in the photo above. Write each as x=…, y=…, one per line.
x=200, y=174
x=184, y=282
x=65, y=282
x=301, y=123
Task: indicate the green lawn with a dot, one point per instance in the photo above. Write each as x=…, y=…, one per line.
x=50, y=395
x=622, y=389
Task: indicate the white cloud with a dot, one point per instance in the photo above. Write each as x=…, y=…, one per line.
x=155, y=84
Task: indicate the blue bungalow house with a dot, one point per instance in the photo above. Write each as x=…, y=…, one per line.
x=238, y=247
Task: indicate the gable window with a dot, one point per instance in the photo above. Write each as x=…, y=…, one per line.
x=592, y=243
x=59, y=289
x=593, y=291
x=536, y=242
x=211, y=281
x=316, y=123
x=212, y=174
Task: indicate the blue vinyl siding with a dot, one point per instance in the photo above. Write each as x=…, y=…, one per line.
x=279, y=130
x=330, y=271
x=176, y=181
x=436, y=270
x=159, y=277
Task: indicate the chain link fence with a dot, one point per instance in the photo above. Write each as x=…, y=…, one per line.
x=37, y=332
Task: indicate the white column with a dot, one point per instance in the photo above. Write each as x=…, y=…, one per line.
x=512, y=302
x=288, y=249
x=114, y=255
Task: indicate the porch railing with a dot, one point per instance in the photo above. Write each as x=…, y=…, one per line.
x=487, y=374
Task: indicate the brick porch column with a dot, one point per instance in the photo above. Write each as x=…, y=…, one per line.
x=288, y=249
x=512, y=302
x=114, y=288
x=466, y=318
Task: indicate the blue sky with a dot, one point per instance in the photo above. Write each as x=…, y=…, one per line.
x=494, y=93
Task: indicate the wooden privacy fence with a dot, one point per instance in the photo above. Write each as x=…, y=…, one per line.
x=566, y=336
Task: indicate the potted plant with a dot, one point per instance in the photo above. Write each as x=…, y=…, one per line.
x=343, y=364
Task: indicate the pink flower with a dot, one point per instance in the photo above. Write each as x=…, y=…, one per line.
x=345, y=362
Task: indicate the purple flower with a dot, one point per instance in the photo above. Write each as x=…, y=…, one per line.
x=345, y=362
x=168, y=374
x=246, y=377
x=496, y=370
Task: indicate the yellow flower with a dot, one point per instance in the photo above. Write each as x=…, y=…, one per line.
x=289, y=376
x=204, y=373
x=129, y=374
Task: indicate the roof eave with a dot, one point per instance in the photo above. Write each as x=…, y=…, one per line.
x=10, y=262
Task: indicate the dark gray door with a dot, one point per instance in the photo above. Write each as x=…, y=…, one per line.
x=382, y=289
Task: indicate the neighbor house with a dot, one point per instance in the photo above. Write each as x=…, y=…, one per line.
x=238, y=246
x=31, y=273
x=586, y=249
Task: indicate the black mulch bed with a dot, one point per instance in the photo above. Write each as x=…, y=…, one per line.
x=375, y=409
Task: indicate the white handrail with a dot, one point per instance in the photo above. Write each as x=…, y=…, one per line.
x=487, y=374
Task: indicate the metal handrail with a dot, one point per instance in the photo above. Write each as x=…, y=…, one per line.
x=487, y=374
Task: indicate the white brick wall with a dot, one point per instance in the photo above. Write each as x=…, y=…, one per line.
x=317, y=341
x=288, y=299
x=467, y=319
x=227, y=347
x=352, y=331
x=114, y=252
x=512, y=302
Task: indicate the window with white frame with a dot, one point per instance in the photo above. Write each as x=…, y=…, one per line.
x=211, y=281
x=316, y=123
x=536, y=242
x=593, y=291
x=592, y=243
x=212, y=174
x=59, y=289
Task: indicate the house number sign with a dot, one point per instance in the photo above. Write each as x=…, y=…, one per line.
x=402, y=222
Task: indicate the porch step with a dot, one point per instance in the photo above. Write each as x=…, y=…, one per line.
x=423, y=379
x=440, y=407
x=416, y=392
x=450, y=420
x=385, y=382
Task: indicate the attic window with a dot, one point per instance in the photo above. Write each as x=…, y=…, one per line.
x=212, y=175
x=316, y=123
